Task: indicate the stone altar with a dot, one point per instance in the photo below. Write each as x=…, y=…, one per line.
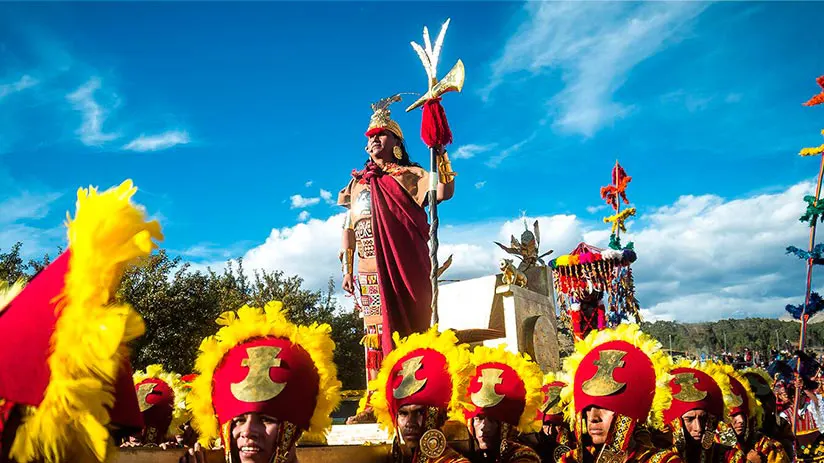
x=522, y=318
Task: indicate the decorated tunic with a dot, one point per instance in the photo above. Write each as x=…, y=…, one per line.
x=391, y=235
x=641, y=453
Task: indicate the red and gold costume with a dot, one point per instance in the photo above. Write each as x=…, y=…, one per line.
x=507, y=388
x=391, y=231
x=773, y=426
x=741, y=400
x=65, y=377
x=427, y=369
x=699, y=387
x=625, y=371
x=551, y=413
x=259, y=362
x=161, y=397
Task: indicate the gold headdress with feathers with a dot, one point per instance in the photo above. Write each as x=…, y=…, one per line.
x=382, y=117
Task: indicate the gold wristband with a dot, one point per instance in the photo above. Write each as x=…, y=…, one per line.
x=347, y=257
x=445, y=172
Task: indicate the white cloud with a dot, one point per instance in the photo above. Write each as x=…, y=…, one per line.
x=692, y=102
x=595, y=45
x=700, y=258
x=26, y=206
x=309, y=250
x=480, y=185
x=733, y=98
x=496, y=160
x=24, y=82
x=469, y=151
x=594, y=209
x=93, y=114
x=303, y=216
x=158, y=142
x=308, y=184
x=327, y=197
x=299, y=202
x=16, y=216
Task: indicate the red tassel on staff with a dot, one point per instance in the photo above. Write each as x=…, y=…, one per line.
x=434, y=127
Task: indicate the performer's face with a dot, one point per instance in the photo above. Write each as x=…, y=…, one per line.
x=599, y=421
x=380, y=146
x=695, y=423
x=781, y=394
x=255, y=437
x=410, y=423
x=487, y=432
x=739, y=423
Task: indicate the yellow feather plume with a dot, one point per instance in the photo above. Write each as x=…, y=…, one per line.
x=457, y=359
x=527, y=370
x=9, y=291
x=179, y=413
x=759, y=372
x=107, y=234
x=754, y=409
x=632, y=334
x=248, y=323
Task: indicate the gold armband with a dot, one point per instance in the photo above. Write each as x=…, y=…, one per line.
x=347, y=257
x=445, y=172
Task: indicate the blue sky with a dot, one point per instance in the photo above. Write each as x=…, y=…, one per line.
x=223, y=114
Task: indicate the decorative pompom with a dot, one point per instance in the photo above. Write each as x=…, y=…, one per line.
x=434, y=127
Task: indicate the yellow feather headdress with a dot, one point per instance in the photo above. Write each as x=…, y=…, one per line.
x=527, y=370
x=179, y=413
x=761, y=373
x=249, y=323
x=754, y=409
x=459, y=369
x=107, y=234
x=632, y=334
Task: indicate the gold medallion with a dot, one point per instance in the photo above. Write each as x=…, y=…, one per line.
x=433, y=443
x=559, y=452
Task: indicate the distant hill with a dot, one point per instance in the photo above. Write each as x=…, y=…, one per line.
x=759, y=334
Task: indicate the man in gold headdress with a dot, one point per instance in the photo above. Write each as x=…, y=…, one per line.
x=616, y=396
x=386, y=225
x=263, y=383
x=772, y=425
x=697, y=407
x=420, y=385
x=505, y=393
x=745, y=418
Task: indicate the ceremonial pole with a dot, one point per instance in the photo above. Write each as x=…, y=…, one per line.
x=813, y=213
x=804, y=315
x=436, y=134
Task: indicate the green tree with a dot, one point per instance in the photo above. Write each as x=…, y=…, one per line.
x=179, y=307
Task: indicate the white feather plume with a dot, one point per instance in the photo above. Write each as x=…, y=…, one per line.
x=429, y=56
x=427, y=44
x=424, y=59
x=436, y=53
